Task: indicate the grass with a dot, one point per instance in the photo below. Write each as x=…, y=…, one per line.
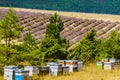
x=1, y=77
x=89, y=72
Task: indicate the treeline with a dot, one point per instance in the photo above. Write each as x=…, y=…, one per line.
x=52, y=47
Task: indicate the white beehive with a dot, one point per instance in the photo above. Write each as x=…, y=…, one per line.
x=112, y=60
x=32, y=70
x=80, y=65
x=9, y=72
x=74, y=65
x=55, y=69
x=108, y=65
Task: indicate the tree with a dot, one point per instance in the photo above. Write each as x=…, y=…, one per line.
x=27, y=50
x=110, y=46
x=29, y=42
x=85, y=49
x=9, y=30
x=29, y=47
x=53, y=46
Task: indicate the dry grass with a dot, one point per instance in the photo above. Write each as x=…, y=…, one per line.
x=88, y=73
x=105, y=17
x=1, y=78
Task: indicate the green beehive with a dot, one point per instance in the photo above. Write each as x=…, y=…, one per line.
x=99, y=65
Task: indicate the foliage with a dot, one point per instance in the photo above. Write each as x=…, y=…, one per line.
x=85, y=50
x=52, y=47
x=9, y=30
x=27, y=48
x=110, y=47
x=29, y=42
x=89, y=49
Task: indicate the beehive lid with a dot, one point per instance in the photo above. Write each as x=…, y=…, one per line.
x=21, y=71
x=65, y=66
x=99, y=62
x=72, y=60
x=55, y=65
x=30, y=66
x=10, y=67
x=51, y=63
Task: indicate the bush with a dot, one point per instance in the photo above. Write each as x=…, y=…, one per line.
x=110, y=46
x=85, y=50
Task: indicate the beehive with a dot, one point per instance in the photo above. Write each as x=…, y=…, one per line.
x=112, y=60
x=105, y=60
x=9, y=72
x=65, y=70
x=99, y=65
x=108, y=65
x=21, y=75
x=44, y=70
x=55, y=70
x=74, y=65
x=32, y=70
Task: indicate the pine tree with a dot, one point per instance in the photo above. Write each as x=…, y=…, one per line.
x=9, y=31
x=85, y=49
x=53, y=46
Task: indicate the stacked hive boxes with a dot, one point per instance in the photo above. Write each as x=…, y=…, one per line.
x=32, y=70
x=21, y=75
x=44, y=70
x=51, y=68
x=74, y=65
x=108, y=63
x=55, y=69
x=9, y=72
x=14, y=73
x=63, y=67
x=99, y=65
x=116, y=63
x=65, y=70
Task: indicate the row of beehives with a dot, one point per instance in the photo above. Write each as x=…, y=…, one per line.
x=63, y=67
x=109, y=63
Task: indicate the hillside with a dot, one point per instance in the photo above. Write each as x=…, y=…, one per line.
x=88, y=6
x=75, y=24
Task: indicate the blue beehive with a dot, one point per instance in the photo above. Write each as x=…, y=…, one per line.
x=21, y=75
